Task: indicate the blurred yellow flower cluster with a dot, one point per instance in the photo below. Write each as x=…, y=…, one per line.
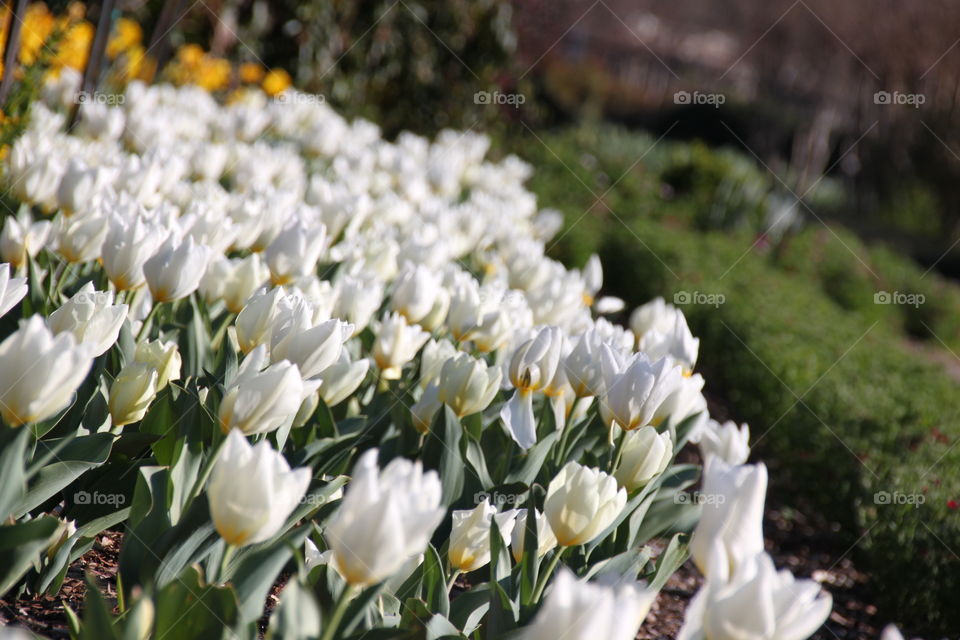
x=65, y=41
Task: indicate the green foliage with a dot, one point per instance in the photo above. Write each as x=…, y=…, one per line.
x=841, y=408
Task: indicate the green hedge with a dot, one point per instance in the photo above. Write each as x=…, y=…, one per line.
x=798, y=320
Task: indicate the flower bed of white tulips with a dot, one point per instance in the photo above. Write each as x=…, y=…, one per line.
x=269, y=346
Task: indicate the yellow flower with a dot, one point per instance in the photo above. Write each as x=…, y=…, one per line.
x=74, y=49
x=276, y=81
x=38, y=23
x=127, y=35
x=250, y=73
x=190, y=55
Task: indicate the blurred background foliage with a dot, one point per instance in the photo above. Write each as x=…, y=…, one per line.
x=798, y=198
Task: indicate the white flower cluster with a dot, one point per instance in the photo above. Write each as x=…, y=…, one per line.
x=341, y=254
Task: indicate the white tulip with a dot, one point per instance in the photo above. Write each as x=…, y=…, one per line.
x=384, y=519
x=80, y=238
x=581, y=502
x=252, y=490
x=262, y=400
x=312, y=348
x=39, y=373
x=635, y=388
x=91, y=317
x=415, y=292
x=162, y=356
x=644, y=456
x=131, y=393
x=546, y=541
x=22, y=239
x=357, y=298
x=731, y=524
x=685, y=401
x=756, y=603
x=655, y=315
x=470, y=536
x=435, y=354
x=583, y=365
x=532, y=367
x=127, y=246
x=234, y=281
x=295, y=251
x=255, y=322
x=341, y=379
x=467, y=385
x=676, y=342
x=579, y=610
x=12, y=290
x=726, y=441
x=175, y=271
x=396, y=344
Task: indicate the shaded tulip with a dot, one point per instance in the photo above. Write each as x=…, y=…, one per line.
x=127, y=246
x=467, y=385
x=645, y=455
x=581, y=502
x=546, y=541
x=635, y=388
x=252, y=490
x=162, y=356
x=22, y=239
x=255, y=322
x=131, y=393
x=386, y=517
x=312, y=348
x=396, y=344
x=39, y=372
x=726, y=441
x=295, y=251
x=81, y=238
x=532, y=366
x=342, y=378
x=470, y=536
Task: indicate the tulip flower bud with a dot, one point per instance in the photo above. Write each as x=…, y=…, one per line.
x=175, y=271
x=162, y=356
x=470, y=537
x=583, y=366
x=645, y=455
x=396, y=344
x=261, y=401
x=465, y=307
x=685, y=401
x=725, y=441
x=732, y=523
x=357, y=298
x=65, y=529
x=384, y=519
x=656, y=315
x=546, y=541
x=12, y=290
x=252, y=490
x=756, y=601
x=578, y=610
x=139, y=619
x=581, y=502
x=131, y=393
x=423, y=410
x=415, y=292
x=39, y=373
x=234, y=281
x=467, y=385
x=91, y=317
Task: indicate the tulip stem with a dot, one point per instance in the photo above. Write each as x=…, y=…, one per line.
x=545, y=576
x=147, y=321
x=339, y=609
x=224, y=561
x=453, y=580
